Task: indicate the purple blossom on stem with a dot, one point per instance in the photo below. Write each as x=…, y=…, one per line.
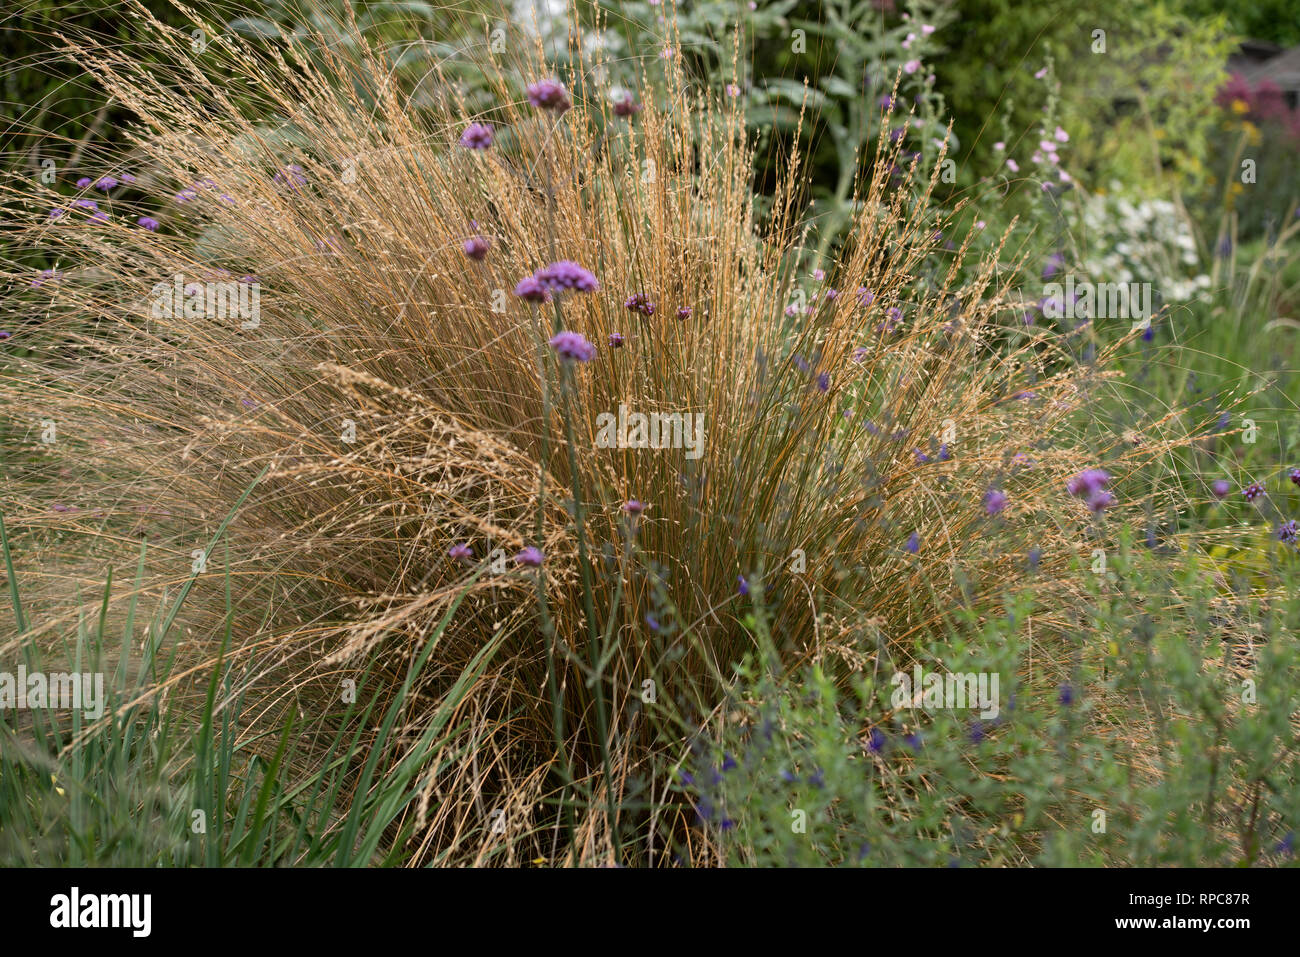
x=566, y=274
x=1221, y=488
x=149, y=223
x=530, y=557
x=461, y=552
x=106, y=183
x=476, y=248
x=616, y=340
x=1087, y=483
x=549, y=95
x=995, y=500
x=627, y=106
x=477, y=136
x=573, y=346
x=1252, y=491
x=640, y=302
x=684, y=313
x=530, y=290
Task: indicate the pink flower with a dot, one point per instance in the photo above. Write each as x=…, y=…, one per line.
x=911, y=66
x=1013, y=166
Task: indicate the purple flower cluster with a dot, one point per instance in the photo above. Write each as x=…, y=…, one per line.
x=627, y=106
x=573, y=346
x=530, y=557
x=995, y=500
x=1089, y=485
x=549, y=95
x=1287, y=531
x=530, y=290
x=566, y=274
x=1252, y=491
x=477, y=136
x=640, y=302
x=476, y=248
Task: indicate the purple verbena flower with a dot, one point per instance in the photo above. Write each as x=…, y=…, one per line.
x=573, y=346
x=913, y=543
x=530, y=290
x=627, y=106
x=616, y=340
x=640, y=302
x=149, y=223
x=1252, y=491
x=995, y=500
x=476, y=248
x=106, y=183
x=1286, y=532
x=633, y=507
x=566, y=274
x=1100, y=500
x=477, y=136
x=1087, y=482
x=549, y=95
x=1221, y=488
x=530, y=557
x=461, y=552
x=684, y=313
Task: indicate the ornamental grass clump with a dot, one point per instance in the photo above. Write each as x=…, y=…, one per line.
x=415, y=424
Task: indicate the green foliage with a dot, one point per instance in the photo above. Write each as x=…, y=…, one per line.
x=802, y=774
x=1271, y=20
